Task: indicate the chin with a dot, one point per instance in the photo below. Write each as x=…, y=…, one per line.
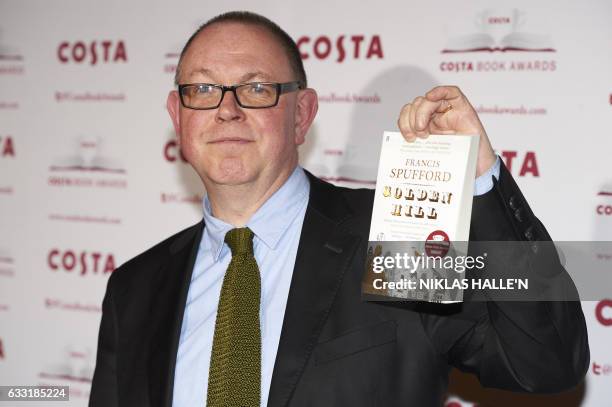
x=231, y=176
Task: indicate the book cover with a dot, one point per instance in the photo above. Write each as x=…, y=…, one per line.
x=422, y=210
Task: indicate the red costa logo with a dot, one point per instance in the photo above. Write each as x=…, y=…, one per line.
x=605, y=210
x=172, y=152
x=324, y=47
x=80, y=262
x=528, y=162
x=94, y=52
x=599, y=370
x=600, y=310
x=7, y=149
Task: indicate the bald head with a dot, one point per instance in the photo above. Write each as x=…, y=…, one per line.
x=283, y=40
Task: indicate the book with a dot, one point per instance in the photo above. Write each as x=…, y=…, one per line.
x=422, y=210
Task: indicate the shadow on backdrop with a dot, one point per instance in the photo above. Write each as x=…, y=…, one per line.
x=395, y=87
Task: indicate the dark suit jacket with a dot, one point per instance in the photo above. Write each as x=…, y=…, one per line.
x=335, y=349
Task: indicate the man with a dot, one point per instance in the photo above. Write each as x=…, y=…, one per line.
x=175, y=328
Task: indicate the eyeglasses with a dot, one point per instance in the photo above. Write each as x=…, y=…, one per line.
x=254, y=95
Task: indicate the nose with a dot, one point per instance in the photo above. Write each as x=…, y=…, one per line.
x=229, y=109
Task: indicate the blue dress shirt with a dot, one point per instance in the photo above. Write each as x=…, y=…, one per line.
x=277, y=225
x=484, y=183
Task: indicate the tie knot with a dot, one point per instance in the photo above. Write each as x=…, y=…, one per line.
x=240, y=240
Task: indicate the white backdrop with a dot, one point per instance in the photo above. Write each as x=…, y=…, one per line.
x=90, y=174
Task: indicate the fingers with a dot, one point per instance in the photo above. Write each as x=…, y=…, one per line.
x=438, y=112
x=407, y=120
x=404, y=123
x=416, y=117
x=416, y=103
x=444, y=93
x=423, y=116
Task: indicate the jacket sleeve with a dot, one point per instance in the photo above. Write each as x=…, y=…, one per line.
x=530, y=346
x=104, y=384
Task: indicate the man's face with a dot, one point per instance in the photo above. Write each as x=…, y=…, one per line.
x=231, y=145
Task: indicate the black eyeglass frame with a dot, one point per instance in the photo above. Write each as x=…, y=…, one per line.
x=281, y=88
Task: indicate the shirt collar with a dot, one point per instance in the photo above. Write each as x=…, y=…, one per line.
x=270, y=222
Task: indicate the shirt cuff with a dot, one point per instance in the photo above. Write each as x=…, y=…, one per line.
x=484, y=183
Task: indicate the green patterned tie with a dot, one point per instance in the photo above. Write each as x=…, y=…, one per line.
x=234, y=379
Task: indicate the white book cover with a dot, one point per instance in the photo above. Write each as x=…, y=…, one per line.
x=422, y=208
x=424, y=187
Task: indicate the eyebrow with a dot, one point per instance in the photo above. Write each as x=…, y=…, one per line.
x=244, y=78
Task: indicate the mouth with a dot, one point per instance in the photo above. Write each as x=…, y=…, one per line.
x=230, y=140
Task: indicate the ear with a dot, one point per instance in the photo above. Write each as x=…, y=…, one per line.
x=305, y=112
x=173, y=105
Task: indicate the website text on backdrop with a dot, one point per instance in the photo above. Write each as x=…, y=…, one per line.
x=316, y=342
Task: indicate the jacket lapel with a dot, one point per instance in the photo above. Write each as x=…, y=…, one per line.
x=167, y=314
x=325, y=252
